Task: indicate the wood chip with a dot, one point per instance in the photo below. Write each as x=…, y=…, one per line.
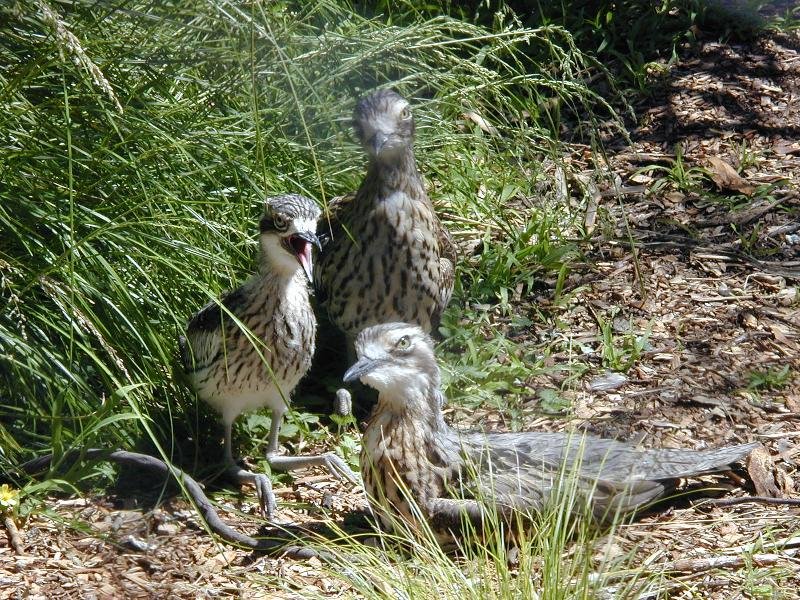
x=727, y=179
x=760, y=469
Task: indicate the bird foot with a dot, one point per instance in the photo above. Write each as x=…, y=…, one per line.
x=333, y=463
x=343, y=403
x=263, y=485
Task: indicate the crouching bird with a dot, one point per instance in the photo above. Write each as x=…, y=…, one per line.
x=250, y=349
x=415, y=466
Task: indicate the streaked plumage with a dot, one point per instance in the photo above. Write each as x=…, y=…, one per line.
x=250, y=349
x=407, y=446
x=388, y=258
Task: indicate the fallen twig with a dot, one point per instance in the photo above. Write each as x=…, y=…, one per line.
x=698, y=565
x=695, y=565
x=13, y=534
x=749, y=499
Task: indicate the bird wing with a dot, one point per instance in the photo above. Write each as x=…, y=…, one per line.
x=524, y=469
x=203, y=341
x=447, y=271
x=329, y=228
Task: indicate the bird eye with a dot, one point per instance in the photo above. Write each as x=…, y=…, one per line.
x=281, y=222
x=403, y=343
x=405, y=113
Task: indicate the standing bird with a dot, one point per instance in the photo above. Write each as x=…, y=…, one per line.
x=409, y=453
x=388, y=258
x=251, y=348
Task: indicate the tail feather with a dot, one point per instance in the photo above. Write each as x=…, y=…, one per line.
x=674, y=463
x=523, y=468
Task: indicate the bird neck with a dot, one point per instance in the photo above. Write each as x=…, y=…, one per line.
x=397, y=173
x=414, y=439
x=406, y=405
x=276, y=263
x=279, y=278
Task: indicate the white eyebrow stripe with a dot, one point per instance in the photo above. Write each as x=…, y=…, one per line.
x=305, y=224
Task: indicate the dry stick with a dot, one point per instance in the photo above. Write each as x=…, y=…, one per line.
x=695, y=565
x=13, y=534
x=663, y=240
x=204, y=505
x=749, y=499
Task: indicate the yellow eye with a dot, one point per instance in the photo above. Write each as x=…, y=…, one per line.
x=403, y=343
x=405, y=113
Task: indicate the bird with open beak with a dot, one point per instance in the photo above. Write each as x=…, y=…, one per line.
x=250, y=349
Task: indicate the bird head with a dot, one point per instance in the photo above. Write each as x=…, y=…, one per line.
x=384, y=124
x=396, y=359
x=288, y=232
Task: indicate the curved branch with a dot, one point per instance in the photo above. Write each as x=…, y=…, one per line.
x=198, y=496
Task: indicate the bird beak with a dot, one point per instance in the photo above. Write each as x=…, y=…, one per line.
x=379, y=141
x=364, y=366
x=300, y=243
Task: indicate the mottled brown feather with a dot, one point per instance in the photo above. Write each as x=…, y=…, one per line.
x=451, y=475
x=388, y=257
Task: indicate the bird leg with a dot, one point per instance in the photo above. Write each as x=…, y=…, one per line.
x=333, y=463
x=261, y=481
x=451, y=513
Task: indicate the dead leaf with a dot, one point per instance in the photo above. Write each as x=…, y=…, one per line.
x=785, y=482
x=607, y=381
x=482, y=123
x=784, y=147
x=760, y=469
x=727, y=179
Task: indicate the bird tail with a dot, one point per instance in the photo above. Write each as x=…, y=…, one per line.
x=674, y=463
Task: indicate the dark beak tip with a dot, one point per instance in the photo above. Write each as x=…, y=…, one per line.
x=358, y=370
x=310, y=237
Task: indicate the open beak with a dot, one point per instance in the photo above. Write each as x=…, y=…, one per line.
x=300, y=243
x=363, y=366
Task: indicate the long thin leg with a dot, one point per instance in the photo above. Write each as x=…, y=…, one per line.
x=262, y=483
x=228, y=444
x=333, y=463
x=274, y=430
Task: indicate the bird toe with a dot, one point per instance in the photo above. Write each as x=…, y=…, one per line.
x=339, y=469
x=266, y=497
